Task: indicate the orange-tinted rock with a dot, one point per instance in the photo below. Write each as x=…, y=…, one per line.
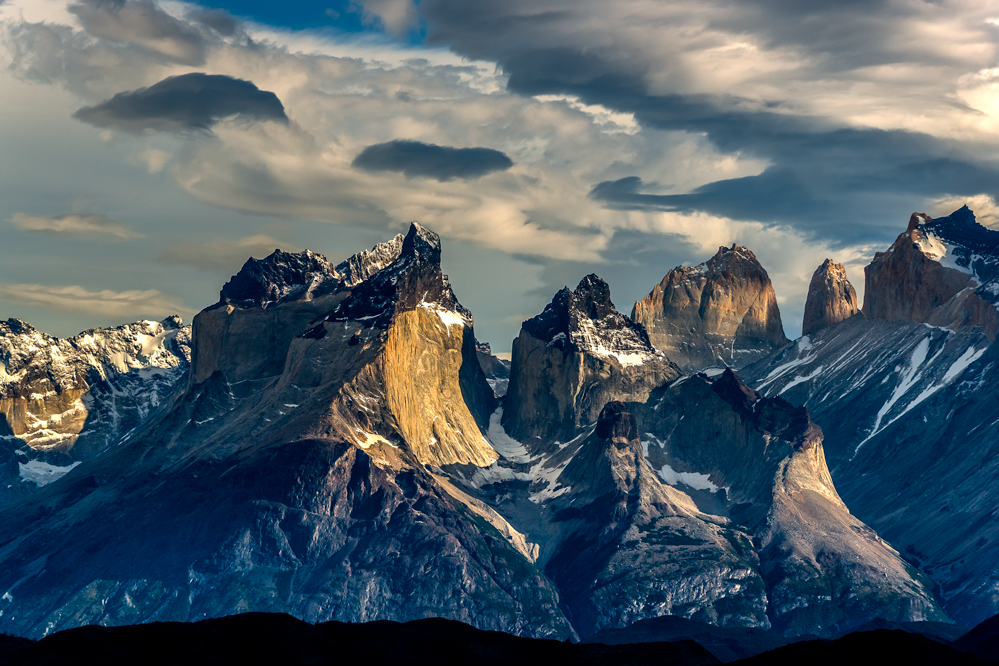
x=721, y=312
x=831, y=298
x=920, y=278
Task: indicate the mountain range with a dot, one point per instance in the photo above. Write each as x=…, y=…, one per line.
x=332, y=442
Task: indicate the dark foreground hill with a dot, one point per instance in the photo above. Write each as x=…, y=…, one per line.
x=277, y=638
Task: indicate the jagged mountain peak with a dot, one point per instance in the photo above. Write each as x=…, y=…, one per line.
x=734, y=391
x=413, y=279
x=770, y=415
x=616, y=423
x=278, y=276
x=831, y=298
x=735, y=253
x=585, y=320
x=14, y=326
x=592, y=296
x=422, y=243
x=940, y=271
x=721, y=312
x=573, y=358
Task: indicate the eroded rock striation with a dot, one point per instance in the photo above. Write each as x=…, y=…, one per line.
x=831, y=298
x=573, y=358
x=722, y=312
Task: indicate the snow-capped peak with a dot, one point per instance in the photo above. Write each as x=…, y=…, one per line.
x=586, y=320
x=959, y=242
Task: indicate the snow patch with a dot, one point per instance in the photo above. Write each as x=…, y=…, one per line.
x=43, y=473
x=961, y=364
x=693, y=480
x=801, y=379
x=448, y=317
x=366, y=439
x=508, y=448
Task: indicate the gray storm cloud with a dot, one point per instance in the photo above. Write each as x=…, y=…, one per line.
x=828, y=176
x=184, y=103
x=416, y=159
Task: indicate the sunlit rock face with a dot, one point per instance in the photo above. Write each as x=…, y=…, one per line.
x=722, y=312
x=63, y=401
x=573, y=358
x=942, y=272
x=908, y=403
x=306, y=484
x=831, y=298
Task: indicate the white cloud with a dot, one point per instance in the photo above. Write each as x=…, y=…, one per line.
x=344, y=93
x=75, y=299
x=76, y=225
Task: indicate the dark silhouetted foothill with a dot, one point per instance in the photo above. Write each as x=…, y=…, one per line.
x=982, y=641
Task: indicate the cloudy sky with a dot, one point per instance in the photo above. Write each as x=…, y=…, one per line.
x=150, y=146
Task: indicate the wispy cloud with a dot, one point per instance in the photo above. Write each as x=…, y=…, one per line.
x=75, y=225
x=222, y=255
x=75, y=299
x=144, y=24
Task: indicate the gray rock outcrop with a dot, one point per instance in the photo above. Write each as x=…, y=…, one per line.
x=573, y=358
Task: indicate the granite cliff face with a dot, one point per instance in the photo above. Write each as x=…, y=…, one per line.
x=721, y=312
x=942, y=272
x=631, y=547
x=910, y=410
x=573, y=358
x=831, y=298
x=760, y=462
x=63, y=401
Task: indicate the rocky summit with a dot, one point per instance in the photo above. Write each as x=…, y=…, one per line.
x=722, y=312
x=573, y=358
x=831, y=298
x=63, y=401
x=342, y=448
x=942, y=272
x=908, y=402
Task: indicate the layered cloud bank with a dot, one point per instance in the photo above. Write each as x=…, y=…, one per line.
x=565, y=134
